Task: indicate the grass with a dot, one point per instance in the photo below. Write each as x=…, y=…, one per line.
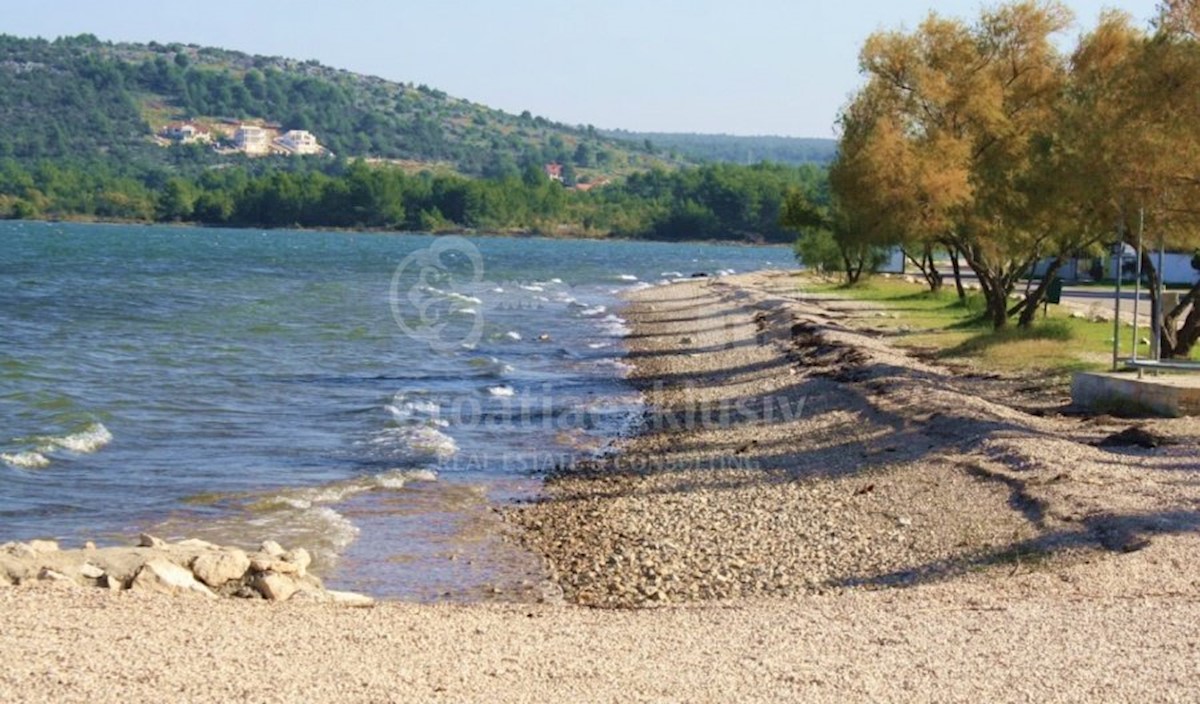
x=941, y=324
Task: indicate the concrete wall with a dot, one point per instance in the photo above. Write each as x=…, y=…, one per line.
x=1169, y=395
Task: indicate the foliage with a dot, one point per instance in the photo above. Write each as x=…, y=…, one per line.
x=987, y=140
x=734, y=149
x=718, y=202
x=80, y=97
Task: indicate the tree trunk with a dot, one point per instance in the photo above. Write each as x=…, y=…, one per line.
x=1188, y=334
x=927, y=268
x=1166, y=336
x=1033, y=301
x=958, y=284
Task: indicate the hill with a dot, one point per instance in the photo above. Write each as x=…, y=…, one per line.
x=733, y=149
x=80, y=97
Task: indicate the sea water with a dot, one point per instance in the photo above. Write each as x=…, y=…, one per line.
x=367, y=396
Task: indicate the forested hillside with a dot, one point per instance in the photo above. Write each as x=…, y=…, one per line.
x=78, y=118
x=80, y=97
x=733, y=149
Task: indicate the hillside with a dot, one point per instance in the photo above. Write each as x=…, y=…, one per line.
x=733, y=149
x=81, y=97
x=175, y=133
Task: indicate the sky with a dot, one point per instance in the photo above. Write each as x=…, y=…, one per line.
x=780, y=67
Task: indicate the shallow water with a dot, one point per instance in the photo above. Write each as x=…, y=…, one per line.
x=363, y=395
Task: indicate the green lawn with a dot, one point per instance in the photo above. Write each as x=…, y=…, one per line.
x=951, y=329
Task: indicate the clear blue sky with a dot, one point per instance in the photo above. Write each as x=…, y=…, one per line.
x=735, y=66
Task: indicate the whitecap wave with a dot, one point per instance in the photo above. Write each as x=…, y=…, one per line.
x=615, y=325
x=627, y=277
x=25, y=460
x=594, y=311
x=90, y=439
x=512, y=335
x=503, y=390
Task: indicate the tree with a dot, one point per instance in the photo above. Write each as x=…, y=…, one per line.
x=967, y=104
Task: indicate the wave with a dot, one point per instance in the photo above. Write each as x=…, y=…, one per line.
x=503, y=390
x=25, y=460
x=615, y=325
x=627, y=277
x=489, y=366
x=416, y=441
x=84, y=442
x=297, y=517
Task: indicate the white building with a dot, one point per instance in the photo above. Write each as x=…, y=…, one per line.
x=186, y=133
x=251, y=139
x=299, y=142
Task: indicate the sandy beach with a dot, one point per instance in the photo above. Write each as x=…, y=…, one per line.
x=809, y=515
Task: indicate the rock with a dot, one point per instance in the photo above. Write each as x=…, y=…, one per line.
x=197, y=544
x=300, y=558
x=12, y=569
x=904, y=521
x=49, y=575
x=145, y=540
x=350, y=599
x=160, y=575
x=91, y=571
x=272, y=548
x=1136, y=436
x=217, y=568
x=43, y=546
x=89, y=545
x=264, y=563
x=275, y=586
x=112, y=583
x=21, y=551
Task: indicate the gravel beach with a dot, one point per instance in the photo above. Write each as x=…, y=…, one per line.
x=809, y=514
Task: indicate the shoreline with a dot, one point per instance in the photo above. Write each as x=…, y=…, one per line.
x=1031, y=563
x=517, y=233
x=791, y=454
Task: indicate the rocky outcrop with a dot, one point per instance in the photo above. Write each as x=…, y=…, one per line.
x=192, y=567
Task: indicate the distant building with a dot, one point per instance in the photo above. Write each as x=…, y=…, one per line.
x=299, y=142
x=251, y=139
x=554, y=171
x=186, y=133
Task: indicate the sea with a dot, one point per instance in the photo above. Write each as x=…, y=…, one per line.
x=371, y=397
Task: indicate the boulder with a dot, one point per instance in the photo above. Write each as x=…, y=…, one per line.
x=43, y=546
x=217, y=568
x=197, y=544
x=300, y=558
x=272, y=548
x=48, y=575
x=21, y=551
x=145, y=540
x=160, y=575
x=12, y=569
x=275, y=586
x=91, y=571
x=264, y=563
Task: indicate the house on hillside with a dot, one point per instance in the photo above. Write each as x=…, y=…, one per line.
x=299, y=142
x=186, y=133
x=554, y=171
x=252, y=140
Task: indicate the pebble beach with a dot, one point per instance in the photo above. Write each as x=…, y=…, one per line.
x=808, y=514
